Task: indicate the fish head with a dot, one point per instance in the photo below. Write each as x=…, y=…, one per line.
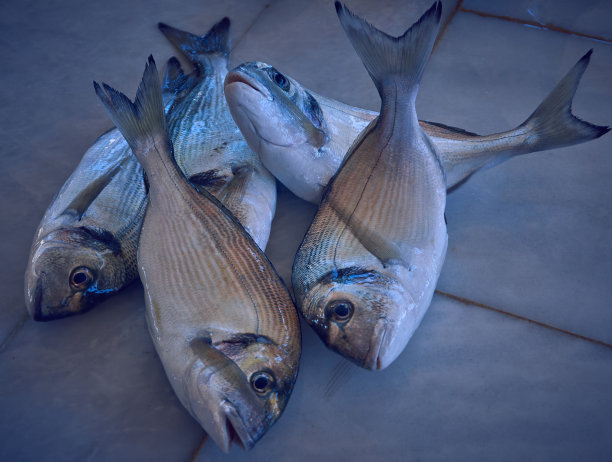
x=242, y=386
x=361, y=314
x=70, y=270
x=280, y=120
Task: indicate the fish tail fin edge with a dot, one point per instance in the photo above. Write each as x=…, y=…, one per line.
x=553, y=124
x=144, y=117
x=215, y=42
x=383, y=55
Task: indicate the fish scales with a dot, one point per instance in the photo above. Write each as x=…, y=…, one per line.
x=221, y=319
x=365, y=272
x=277, y=124
x=104, y=200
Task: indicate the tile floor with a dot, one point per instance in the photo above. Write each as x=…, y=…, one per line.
x=513, y=360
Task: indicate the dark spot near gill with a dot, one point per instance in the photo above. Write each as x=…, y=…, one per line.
x=103, y=236
x=351, y=275
x=312, y=109
x=208, y=179
x=145, y=180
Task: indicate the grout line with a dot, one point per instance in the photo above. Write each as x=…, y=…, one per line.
x=248, y=29
x=522, y=318
x=13, y=332
x=196, y=453
x=451, y=16
x=538, y=25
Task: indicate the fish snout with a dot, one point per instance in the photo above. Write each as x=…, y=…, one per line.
x=222, y=401
x=376, y=357
x=33, y=297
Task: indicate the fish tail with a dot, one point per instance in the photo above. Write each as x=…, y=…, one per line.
x=174, y=75
x=199, y=49
x=552, y=124
x=388, y=58
x=143, y=119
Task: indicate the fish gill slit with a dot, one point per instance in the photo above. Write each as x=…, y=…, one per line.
x=346, y=224
x=213, y=235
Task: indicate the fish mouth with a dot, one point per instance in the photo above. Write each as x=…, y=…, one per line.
x=373, y=360
x=34, y=300
x=235, y=429
x=241, y=76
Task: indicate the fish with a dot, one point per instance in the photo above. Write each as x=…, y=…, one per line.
x=84, y=249
x=365, y=272
x=208, y=146
x=302, y=137
x=221, y=319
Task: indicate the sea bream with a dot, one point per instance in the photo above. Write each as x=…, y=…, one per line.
x=367, y=268
x=85, y=247
x=221, y=320
x=302, y=137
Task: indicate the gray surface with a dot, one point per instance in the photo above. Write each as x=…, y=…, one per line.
x=590, y=17
x=531, y=237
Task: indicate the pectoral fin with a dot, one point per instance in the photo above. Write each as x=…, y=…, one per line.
x=385, y=250
x=85, y=198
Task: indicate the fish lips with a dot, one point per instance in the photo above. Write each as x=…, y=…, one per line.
x=222, y=401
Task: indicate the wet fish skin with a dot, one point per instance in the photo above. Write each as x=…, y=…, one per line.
x=366, y=270
x=105, y=197
x=84, y=249
x=280, y=124
x=227, y=168
x=221, y=319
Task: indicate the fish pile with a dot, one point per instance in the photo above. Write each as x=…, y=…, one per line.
x=182, y=194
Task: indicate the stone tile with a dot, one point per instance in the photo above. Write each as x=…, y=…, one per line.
x=91, y=387
x=528, y=236
x=591, y=17
x=471, y=385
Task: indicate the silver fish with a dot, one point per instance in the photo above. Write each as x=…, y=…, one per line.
x=367, y=268
x=302, y=137
x=221, y=319
x=208, y=146
x=85, y=247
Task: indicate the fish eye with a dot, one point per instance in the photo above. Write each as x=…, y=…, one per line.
x=262, y=382
x=339, y=310
x=279, y=79
x=81, y=278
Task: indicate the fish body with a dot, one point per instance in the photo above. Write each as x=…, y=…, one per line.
x=208, y=146
x=303, y=137
x=366, y=270
x=222, y=321
x=85, y=247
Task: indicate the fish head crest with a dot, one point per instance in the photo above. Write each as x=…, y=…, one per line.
x=70, y=270
x=360, y=314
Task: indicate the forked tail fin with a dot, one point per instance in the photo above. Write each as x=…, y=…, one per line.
x=141, y=120
x=552, y=124
x=199, y=49
x=386, y=57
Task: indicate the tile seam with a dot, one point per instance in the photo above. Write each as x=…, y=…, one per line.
x=13, y=332
x=526, y=22
x=451, y=16
x=248, y=29
x=196, y=452
x=522, y=318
